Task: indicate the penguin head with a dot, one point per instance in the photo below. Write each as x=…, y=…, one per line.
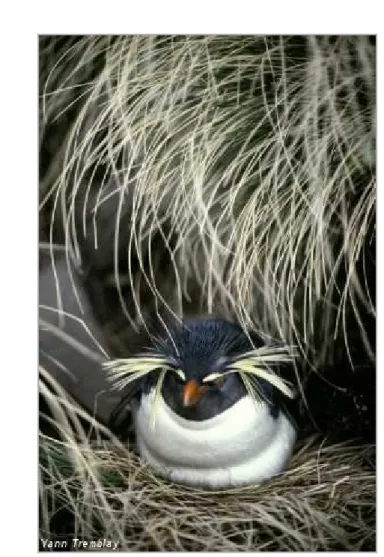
x=201, y=353
x=202, y=368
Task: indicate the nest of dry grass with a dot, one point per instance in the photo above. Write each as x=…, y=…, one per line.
x=93, y=486
x=325, y=501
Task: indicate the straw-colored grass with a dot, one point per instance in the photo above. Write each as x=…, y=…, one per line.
x=251, y=158
x=325, y=500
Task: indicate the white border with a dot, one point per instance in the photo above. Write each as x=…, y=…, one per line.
x=199, y=16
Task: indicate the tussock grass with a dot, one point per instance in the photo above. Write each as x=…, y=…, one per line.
x=253, y=158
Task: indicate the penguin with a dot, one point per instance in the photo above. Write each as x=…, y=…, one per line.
x=207, y=403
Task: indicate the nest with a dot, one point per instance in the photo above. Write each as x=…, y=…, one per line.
x=93, y=487
x=324, y=501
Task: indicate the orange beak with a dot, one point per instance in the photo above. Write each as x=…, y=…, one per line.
x=192, y=393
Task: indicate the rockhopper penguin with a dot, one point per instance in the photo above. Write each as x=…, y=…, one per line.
x=207, y=405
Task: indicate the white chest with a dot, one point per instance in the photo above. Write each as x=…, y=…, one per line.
x=242, y=445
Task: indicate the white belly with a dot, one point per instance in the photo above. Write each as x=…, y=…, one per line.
x=243, y=445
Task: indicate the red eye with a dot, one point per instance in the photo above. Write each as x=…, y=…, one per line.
x=220, y=382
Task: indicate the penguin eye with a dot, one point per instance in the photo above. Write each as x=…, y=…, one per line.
x=213, y=379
